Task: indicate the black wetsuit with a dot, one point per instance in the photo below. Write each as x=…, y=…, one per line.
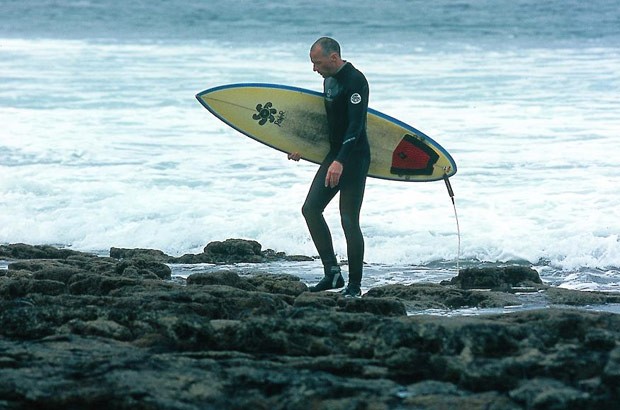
x=346, y=105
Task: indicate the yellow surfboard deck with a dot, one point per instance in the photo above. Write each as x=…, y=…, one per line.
x=293, y=119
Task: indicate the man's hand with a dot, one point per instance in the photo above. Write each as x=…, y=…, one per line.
x=295, y=156
x=333, y=174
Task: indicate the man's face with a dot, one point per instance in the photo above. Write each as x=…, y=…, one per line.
x=322, y=64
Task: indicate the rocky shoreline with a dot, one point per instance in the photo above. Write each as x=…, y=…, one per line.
x=78, y=331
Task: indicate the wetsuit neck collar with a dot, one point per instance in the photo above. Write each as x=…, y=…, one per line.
x=346, y=63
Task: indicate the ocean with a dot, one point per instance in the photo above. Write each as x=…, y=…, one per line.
x=103, y=144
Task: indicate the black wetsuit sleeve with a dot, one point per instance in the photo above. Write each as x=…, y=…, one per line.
x=357, y=108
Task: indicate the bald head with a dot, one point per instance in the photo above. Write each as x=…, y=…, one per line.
x=327, y=45
x=325, y=56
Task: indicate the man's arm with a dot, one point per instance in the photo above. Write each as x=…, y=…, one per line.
x=357, y=110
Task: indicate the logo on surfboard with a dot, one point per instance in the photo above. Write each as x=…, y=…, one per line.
x=413, y=157
x=266, y=112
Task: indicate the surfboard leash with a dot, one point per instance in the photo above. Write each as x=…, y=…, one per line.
x=456, y=216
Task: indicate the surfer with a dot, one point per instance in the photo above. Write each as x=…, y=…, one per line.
x=345, y=167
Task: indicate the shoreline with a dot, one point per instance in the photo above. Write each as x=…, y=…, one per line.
x=247, y=258
x=83, y=331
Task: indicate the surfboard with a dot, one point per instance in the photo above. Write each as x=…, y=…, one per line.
x=292, y=119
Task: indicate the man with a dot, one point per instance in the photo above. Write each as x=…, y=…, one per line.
x=345, y=167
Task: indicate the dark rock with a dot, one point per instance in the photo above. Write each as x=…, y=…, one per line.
x=103, y=266
x=319, y=300
x=99, y=327
x=145, y=254
x=224, y=278
x=541, y=393
x=600, y=339
x=432, y=296
x=191, y=258
x=17, y=288
x=57, y=273
x=468, y=400
x=499, y=278
x=37, y=265
x=270, y=283
x=561, y=296
x=81, y=332
x=280, y=284
x=144, y=267
x=93, y=284
x=229, y=251
x=376, y=306
x=234, y=247
x=234, y=251
x=611, y=372
x=24, y=251
x=64, y=269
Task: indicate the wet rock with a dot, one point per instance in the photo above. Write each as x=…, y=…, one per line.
x=611, y=372
x=433, y=296
x=317, y=301
x=234, y=247
x=99, y=327
x=21, y=287
x=543, y=393
x=496, y=278
x=41, y=265
x=144, y=268
x=93, y=284
x=229, y=251
x=280, y=284
x=25, y=251
x=561, y=296
x=148, y=254
x=135, y=339
x=376, y=306
x=61, y=273
x=64, y=269
x=224, y=278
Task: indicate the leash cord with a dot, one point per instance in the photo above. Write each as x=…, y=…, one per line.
x=456, y=216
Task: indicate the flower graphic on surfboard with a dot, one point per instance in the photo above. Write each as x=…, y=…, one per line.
x=265, y=113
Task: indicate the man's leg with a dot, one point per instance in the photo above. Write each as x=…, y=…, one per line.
x=316, y=201
x=351, y=197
